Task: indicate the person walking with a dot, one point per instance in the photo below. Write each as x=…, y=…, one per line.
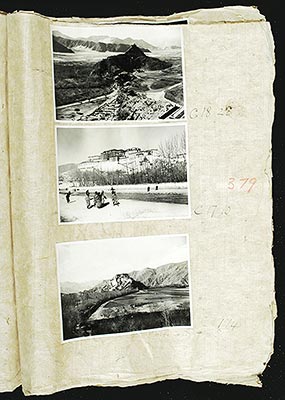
x=114, y=197
x=96, y=198
x=88, y=199
x=100, y=200
x=103, y=197
x=68, y=194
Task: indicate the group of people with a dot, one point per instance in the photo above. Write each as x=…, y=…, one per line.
x=99, y=199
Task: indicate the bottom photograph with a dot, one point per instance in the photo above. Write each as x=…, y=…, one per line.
x=113, y=286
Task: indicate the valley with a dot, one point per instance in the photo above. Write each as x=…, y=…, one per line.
x=92, y=86
x=148, y=309
x=147, y=299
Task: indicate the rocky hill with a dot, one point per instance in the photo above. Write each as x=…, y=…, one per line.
x=121, y=282
x=134, y=58
x=59, y=47
x=66, y=167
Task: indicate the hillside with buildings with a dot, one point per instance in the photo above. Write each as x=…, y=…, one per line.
x=129, y=160
x=126, y=166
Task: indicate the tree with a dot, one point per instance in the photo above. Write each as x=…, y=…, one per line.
x=172, y=147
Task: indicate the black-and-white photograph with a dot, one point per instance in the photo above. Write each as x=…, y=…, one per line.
x=118, y=73
x=108, y=174
x=124, y=285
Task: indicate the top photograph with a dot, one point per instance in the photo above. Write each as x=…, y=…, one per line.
x=118, y=73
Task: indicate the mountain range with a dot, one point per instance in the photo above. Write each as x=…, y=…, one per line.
x=75, y=287
x=173, y=274
x=63, y=43
x=129, y=41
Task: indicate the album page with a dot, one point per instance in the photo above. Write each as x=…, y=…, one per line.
x=141, y=197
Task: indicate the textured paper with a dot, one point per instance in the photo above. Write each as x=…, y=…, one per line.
x=229, y=74
x=9, y=357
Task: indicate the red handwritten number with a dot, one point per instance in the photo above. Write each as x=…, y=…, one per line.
x=231, y=184
x=252, y=181
x=246, y=184
x=244, y=180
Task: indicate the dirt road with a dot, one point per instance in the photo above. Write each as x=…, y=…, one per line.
x=77, y=212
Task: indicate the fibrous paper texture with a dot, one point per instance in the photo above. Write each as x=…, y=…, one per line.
x=9, y=357
x=229, y=72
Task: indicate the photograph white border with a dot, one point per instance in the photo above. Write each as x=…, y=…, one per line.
x=55, y=26
x=124, y=220
x=140, y=332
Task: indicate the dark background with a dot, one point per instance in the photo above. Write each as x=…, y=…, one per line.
x=273, y=376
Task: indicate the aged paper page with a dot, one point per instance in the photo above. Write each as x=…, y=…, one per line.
x=9, y=357
x=229, y=72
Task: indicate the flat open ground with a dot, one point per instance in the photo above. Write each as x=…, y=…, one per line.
x=147, y=309
x=77, y=212
x=148, y=300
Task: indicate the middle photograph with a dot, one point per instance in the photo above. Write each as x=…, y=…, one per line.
x=122, y=173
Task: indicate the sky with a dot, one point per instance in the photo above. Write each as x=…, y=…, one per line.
x=76, y=144
x=94, y=260
x=160, y=36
